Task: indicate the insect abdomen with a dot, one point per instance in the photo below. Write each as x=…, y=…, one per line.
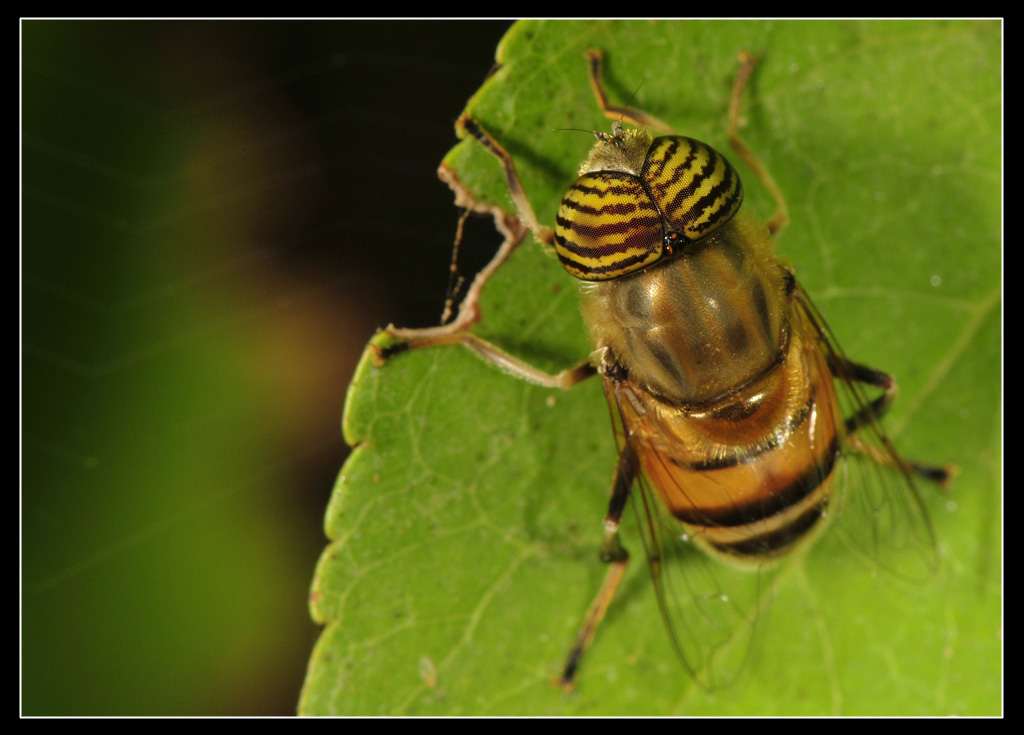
x=749, y=476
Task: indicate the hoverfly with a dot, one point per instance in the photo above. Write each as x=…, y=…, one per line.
x=734, y=408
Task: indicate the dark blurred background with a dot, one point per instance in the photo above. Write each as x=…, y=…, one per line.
x=215, y=218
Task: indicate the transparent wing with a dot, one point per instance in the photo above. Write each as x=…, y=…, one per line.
x=881, y=513
x=712, y=613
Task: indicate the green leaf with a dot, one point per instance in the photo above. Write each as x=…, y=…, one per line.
x=466, y=523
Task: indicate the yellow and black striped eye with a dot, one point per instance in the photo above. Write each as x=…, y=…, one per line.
x=612, y=223
x=607, y=226
x=694, y=186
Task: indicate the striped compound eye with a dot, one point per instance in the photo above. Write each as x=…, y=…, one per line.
x=612, y=223
x=607, y=226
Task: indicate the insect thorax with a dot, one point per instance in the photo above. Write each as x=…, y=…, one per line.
x=695, y=327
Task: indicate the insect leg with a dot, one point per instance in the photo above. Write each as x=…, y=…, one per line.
x=871, y=412
x=613, y=553
x=595, y=70
x=544, y=234
x=456, y=332
x=781, y=216
x=489, y=352
x=869, y=376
